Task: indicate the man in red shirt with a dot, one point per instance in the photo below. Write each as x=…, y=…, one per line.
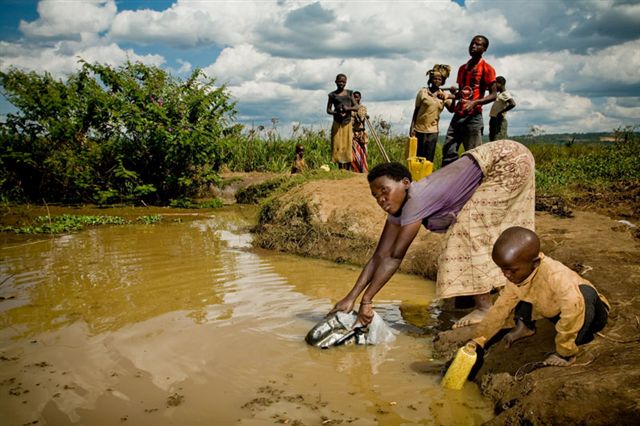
x=474, y=79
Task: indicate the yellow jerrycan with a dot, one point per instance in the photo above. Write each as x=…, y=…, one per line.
x=419, y=167
x=460, y=368
x=411, y=148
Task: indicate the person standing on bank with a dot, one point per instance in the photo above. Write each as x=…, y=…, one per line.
x=498, y=114
x=430, y=101
x=474, y=79
x=340, y=105
x=360, y=136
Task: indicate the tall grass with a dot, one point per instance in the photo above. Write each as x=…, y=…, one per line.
x=269, y=152
x=564, y=169
x=561, y=169
x=253, y=152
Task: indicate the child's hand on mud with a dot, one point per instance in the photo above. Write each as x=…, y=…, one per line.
x=556, y=360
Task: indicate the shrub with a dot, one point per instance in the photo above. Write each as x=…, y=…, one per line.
x=112, y=134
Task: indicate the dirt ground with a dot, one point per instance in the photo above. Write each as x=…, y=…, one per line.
x=339, y=220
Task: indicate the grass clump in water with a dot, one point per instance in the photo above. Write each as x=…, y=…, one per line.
x=188, y=203
x=150, y=219
x=64, y=223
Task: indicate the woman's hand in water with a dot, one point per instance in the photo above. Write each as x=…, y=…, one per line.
x=365, y=314
x=345, y=305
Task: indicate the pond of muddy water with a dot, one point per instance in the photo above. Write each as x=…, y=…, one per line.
x=187, y=324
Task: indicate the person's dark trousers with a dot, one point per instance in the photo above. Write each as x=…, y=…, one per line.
x=497, y=128
x=426, y=145
x=595, y=315
x=462, y=130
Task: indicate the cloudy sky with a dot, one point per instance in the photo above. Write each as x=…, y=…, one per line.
x=572, y=65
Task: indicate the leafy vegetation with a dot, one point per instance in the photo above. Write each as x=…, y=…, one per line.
x=188, y=203
x=110, y=135
x=64, y=223
x=68, y=223
x=564, y=169
x=150, y=219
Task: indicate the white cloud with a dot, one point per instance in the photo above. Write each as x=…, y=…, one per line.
x=57, y=60
x=185, y=67
x=594, y=122
x=625, y=59
x=65, y=19
x=279, y=59
x=630, y=109
x=561, y=106
x=194, y=23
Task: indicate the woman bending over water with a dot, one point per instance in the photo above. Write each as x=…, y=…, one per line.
x=489, y=189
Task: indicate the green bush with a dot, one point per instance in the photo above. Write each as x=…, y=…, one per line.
x=110, y=135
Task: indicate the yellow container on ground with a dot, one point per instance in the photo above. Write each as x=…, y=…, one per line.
x=411, y=148
x=419, y=167
x=460, y=368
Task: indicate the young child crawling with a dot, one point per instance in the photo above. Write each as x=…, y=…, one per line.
x=540, y=287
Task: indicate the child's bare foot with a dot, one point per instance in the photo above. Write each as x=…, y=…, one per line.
x=474, y=317
x=520, y=331
x=557, y=361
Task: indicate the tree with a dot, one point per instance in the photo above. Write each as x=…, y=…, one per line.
x=113, y=134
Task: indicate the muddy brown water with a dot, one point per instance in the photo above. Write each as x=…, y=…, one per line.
x=187, y=324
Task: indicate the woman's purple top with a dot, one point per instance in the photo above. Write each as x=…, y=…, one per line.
x=437, y=199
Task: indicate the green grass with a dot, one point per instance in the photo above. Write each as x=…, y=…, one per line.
x=563, y=170
x=68, y=223
x=63, y=223
x=188, y=203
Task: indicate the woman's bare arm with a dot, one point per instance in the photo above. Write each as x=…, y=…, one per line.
x=389, y=261
x=392, y=247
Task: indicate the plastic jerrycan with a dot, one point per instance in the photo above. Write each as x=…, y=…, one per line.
x=411, y=148
x=419, y=167
x=460, y=368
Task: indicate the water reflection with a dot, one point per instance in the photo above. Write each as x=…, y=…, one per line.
x=112, y=323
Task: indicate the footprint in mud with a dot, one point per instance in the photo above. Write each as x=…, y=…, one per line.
x=270, y=395
x=175, y=399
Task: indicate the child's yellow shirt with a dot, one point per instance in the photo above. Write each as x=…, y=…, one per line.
x=552, y=289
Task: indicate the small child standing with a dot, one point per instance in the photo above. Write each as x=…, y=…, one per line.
x=298, y=161
x=540, y=287
x=498, y=114
x=360, y=136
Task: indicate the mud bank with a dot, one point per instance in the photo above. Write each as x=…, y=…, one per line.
x=339, y=220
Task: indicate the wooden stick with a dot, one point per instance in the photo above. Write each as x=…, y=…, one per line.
x=375, y=138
